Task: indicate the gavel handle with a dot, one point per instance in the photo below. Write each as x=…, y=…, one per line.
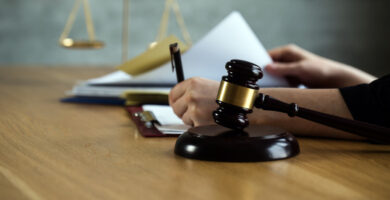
x=371, y=131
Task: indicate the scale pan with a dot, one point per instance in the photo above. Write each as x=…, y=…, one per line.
x=81, y=44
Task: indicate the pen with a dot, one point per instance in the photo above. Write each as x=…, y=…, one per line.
x=176, y=61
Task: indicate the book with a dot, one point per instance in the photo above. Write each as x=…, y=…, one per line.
x=232, y=38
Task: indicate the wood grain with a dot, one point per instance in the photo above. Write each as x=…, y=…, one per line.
x=52, y=150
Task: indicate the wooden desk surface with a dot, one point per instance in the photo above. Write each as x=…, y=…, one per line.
x=52, y=150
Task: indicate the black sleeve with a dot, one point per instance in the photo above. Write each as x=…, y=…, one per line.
x=369, y=102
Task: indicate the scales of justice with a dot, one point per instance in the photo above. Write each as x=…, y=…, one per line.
x=92, y=43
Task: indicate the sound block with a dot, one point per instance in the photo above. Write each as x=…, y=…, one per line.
x=255, y=143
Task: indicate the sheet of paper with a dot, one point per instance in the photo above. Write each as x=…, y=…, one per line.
x=111, y=91
x=163, y=113
x=114, y=77
x=230, y=39
x=170, y=123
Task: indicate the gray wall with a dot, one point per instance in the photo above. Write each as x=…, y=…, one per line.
x=351, y=31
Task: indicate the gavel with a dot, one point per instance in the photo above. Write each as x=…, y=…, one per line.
x=238, y=94
x=233, y=139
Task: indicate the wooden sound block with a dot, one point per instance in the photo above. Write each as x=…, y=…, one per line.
x=255, y=143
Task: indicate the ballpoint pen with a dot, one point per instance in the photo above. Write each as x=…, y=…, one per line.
x=176, y=61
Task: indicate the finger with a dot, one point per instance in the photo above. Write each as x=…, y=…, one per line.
x=277, y=53
x=187, y=118
x=284, y=69
x=202, y=119
x=286, y=53
x=180, y=106
x=177, y=91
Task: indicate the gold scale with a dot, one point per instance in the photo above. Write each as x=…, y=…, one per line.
x=92, y=43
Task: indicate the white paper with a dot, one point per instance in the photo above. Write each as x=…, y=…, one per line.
x=230, y=39
x=114, y=77
x=169, y=122
x=111, y=91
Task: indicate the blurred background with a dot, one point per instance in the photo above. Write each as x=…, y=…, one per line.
x=355, y=32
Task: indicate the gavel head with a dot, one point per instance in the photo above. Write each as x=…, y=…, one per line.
x=237, y=93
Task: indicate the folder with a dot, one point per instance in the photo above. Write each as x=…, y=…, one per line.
x=152, y=58
x=127, y=98
x=117, y=101
x=136, y=97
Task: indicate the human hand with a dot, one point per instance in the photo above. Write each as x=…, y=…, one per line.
x=303, y=67
x=193, y=100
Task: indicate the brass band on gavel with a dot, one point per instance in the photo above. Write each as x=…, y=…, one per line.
x=236, y=95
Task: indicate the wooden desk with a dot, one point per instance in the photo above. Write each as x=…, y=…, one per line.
x=52, y=150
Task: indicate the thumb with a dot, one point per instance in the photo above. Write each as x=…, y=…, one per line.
x=283, y=69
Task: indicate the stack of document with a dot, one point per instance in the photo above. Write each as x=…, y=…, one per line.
x=230, y=39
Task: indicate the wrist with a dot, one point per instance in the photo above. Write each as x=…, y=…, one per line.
x=341, y=75
x=352, y=76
